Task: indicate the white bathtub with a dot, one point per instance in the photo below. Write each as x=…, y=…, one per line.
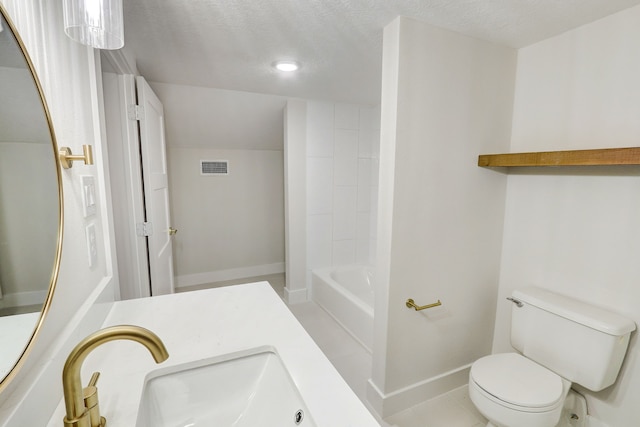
x=346, y=293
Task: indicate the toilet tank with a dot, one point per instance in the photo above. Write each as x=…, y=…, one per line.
x=578, y=341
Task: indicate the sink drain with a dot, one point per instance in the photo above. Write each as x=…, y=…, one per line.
x=298, y=416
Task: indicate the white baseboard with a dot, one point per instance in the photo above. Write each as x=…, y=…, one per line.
x=21, y=299
x=295, y=296
x=392, y=403
x=230, y=274
x=594, y=422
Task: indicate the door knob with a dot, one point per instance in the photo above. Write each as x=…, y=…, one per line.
x=172, y=231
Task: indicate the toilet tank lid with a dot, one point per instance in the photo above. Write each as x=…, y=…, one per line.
x=589, y=315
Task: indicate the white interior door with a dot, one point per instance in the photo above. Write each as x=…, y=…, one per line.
x=156, y=189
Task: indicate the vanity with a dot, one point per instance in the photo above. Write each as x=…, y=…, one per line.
x=213, y=326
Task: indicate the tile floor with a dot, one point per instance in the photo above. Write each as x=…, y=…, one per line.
x=453, y=409
x=349, y=358
x=353, y=362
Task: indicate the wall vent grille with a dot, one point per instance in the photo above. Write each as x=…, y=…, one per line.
x=214, y=167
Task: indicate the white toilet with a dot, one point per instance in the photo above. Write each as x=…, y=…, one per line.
x=561, y=341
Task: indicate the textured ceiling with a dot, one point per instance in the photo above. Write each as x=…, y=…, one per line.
x=230, y=44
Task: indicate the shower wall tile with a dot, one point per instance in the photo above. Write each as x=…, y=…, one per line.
x=376, y=115
x=373, y=225
x=319, y=241
x=319, y=185
x=347, y=116
x=375, y=147
x=367, y=118
x=345, y=157
x=344, y=212
x=372, y=251
x=364, y=185
x=342, y=183
x=362, y=251
x=364, y=199
x=364, y=226
x=375, y=172
x=364, y=172
x=344, y=252
x=319, y=142
x=320, y=114
x=366, y=143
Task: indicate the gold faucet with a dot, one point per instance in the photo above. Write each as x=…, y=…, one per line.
x=82, y=404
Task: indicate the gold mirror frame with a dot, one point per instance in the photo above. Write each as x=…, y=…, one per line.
x=4, y=382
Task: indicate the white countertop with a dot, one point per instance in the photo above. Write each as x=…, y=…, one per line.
x=203, y=324
x=15, y=332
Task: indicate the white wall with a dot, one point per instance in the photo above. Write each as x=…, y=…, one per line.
x=216, y=118
x=446, y=98
x=26, y=222
x=72, y=88
x=342, y=183
x=229, y=226
x=577, y=231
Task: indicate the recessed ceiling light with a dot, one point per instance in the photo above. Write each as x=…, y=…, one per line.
x=287, y=66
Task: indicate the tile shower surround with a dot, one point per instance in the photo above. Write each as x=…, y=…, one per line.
x=342, y=183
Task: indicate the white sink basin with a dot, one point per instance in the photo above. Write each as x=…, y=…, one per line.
x=251, y=388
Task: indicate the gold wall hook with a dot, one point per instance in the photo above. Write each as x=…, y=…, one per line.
x=67, y=157
x=411, y=304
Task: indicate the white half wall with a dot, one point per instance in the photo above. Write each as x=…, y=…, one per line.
x=295, y=184
x=446, y=98
x=577, y=231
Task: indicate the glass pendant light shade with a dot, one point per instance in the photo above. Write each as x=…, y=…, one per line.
x=96, y=23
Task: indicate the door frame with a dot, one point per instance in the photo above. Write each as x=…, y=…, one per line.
x=126, y=174
x=126, y=186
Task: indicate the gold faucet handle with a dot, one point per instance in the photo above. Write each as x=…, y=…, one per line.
x=90, y=396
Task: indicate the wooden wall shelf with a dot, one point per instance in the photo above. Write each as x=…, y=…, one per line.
x=606, y=156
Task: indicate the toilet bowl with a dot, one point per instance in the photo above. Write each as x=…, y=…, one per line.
x=511, y=390
x=560, y=341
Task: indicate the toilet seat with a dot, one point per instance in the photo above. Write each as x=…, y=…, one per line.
x=514, y=381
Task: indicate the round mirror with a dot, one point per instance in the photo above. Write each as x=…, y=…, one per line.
x=30, y=203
